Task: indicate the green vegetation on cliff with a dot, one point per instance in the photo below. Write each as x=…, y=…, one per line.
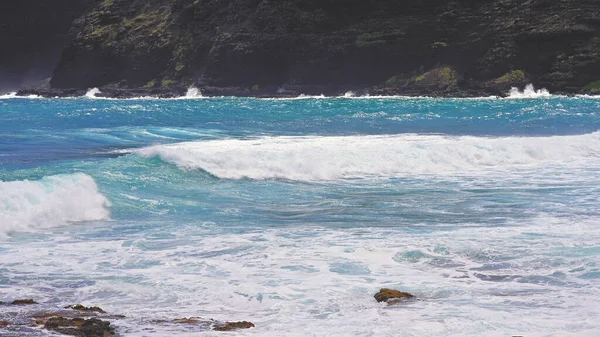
x=515, y=76
x=593, y=85
x=442, y=76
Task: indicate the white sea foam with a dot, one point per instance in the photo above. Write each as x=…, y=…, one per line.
x=193, y=93
x=14, y=95
x=92, y=93
x=330, y=158
x=528, y=92
x=9, y=95
x=52, y=201
x=303, y=281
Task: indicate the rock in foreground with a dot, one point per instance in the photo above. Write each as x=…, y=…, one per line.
x=234, y=326
x=80, y=307
x=80, y=327
x=385, y=294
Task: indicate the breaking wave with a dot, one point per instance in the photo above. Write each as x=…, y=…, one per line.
x=193, y=93
x=9, y=95
x=92, y=93
x=528, y=92
x=49, y=202
x=331, y=158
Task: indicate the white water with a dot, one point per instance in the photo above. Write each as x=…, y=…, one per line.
x=92, y=93
x=193, y=93
x=330, y=158
x=528, y=92
x=50, y=202
x=305, y=281
x=9, y=95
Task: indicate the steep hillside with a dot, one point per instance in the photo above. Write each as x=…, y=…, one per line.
x=33, y=34
x=394, y=45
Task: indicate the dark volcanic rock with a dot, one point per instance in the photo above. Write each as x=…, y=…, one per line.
x=49, y=93
x=80, y=327
x=33, y=34
x=228, y=326
x=23, y=302
x=386, y=294
x=80, y=307
x=133, y=48
x=434, y=47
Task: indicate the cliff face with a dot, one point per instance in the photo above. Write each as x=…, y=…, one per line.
x=33, y=34
x=354, y=43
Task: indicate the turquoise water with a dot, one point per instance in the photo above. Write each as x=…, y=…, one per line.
x=293, y=213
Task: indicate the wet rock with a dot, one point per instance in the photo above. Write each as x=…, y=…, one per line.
x=80, y=307
x=23, y=302
x=4, y=323
x=385, y=294
x=191, y=320
x=80, y=327
x=228, y=326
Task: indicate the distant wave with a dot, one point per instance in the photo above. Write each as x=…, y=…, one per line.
x=52, y=201
x=330, y=158
x=192, y=93
x=91, y=93
x=528, y=92
x=14, y=95
x=9, y=95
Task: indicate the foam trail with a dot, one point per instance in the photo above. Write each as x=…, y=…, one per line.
x=52, y=201
x=92, y=93
x=330, y=158
x=528, y=92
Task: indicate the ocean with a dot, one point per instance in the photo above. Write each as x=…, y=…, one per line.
x=293, y=213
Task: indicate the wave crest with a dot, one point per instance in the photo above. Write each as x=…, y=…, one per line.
x=329, y=158
x=528, y=92
x=49, y=202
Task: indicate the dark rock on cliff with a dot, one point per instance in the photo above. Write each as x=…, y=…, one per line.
x=400, y=46
x=260, y=47
x=33, y=34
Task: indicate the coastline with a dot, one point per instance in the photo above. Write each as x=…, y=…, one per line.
x=292, y=92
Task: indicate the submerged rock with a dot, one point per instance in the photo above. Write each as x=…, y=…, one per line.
x=385, y=294
x=228, y=326
x=191, y=320
x=80, y=307
x=24, y=302
x=80, y=327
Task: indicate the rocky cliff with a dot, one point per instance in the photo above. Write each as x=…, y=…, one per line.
x=387, y=46
x=33, y=34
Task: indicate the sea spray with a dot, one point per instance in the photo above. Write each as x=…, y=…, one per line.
x=528, y=92
x=193, y=93
x=91, y=93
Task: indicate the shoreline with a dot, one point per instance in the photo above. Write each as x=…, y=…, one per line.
x=294, y=92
